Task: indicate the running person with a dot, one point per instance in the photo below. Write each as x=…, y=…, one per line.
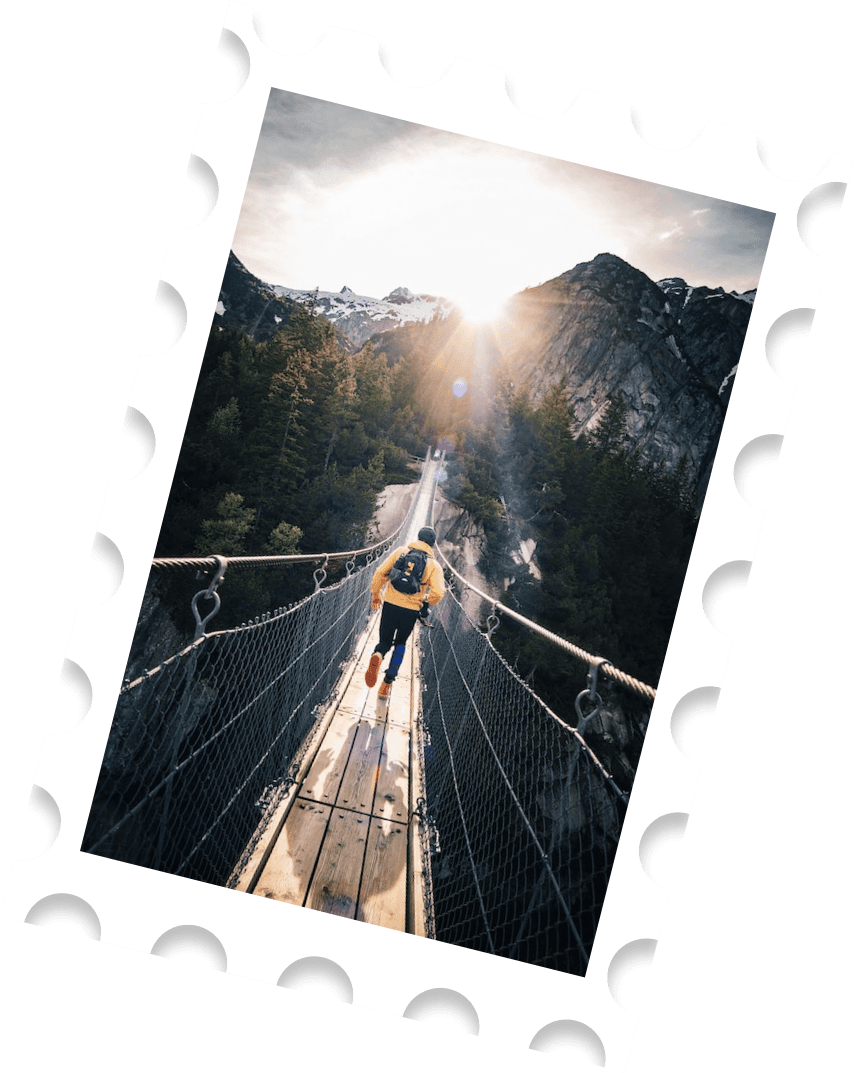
x=400, y=610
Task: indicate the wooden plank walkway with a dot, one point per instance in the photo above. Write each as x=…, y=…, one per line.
x=346, y=840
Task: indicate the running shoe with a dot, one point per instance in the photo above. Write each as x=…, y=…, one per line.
x=373, y=668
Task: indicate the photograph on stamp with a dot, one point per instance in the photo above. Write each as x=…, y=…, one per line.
x=427, y=533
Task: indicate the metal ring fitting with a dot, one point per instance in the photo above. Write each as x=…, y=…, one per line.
x=585, y=719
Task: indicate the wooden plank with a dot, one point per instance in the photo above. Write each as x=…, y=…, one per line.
x=383, y=895
x=418, y=875
x=391, y=799
x=267, y=833
x=399, y=702
x=360, y=776
x=323, y=778
x=398, y=710
x=289, y=868
x=335, y=886
x=356, y=694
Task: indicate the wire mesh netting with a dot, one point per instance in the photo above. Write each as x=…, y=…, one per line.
x=520, y=820
x=203, y=748
x=523, y=821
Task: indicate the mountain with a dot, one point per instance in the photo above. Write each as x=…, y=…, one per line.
x=669, y=349
x=358, y=317
x=259, y=309
x=249, y=306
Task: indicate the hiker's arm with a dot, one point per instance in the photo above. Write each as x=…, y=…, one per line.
x=381, y=576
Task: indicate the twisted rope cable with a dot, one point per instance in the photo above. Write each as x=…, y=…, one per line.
x=606, y=668
x=177, y=563
x=272, y=560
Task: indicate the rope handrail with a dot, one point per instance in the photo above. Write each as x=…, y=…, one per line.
x=171, y=562
x=607, y=668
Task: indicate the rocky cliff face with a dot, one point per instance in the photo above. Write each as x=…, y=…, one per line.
x=617, y=733
x=669, y=349
x=463, y=542
x=247, y=305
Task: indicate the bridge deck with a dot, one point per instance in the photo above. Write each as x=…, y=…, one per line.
x=345, y=840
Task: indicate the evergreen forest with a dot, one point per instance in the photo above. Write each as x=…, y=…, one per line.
x=613, y=536
x=290, y=440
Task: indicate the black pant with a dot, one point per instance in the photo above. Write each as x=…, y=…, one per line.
x=396, y=625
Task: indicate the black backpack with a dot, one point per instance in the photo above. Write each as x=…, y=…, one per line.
x=409, y=569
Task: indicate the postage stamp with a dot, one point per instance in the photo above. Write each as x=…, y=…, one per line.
x=554, y=362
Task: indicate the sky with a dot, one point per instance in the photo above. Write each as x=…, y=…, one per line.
x=342, y=197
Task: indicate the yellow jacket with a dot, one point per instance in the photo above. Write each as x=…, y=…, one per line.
x=432, y=579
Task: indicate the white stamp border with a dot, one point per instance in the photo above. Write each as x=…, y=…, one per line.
x=135, y=906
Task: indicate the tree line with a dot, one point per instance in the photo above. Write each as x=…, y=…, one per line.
x=287, y=444
x=613, y=535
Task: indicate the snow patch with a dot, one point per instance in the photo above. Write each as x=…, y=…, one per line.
x=671, y=343
x=336, y=307
x=727, y=378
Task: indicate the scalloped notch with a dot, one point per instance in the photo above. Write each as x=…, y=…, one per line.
x=666, y=828
x=171, y=303
x=321, y=972
x=258, y=26
x=385, y=59
x=105, y=553
x=635, y=955
x=42, y=804
x=201, y=175
x=76, y=680
x=763, y=451
x=571, y=1034
x=763, y=152
x=828, y=197
x=727, y=578
x=637, y=122
x=65, y=909
x=794, y=324
x=441, y=1002
x=190, y=939
x=232, y=48
x=138, y=427
x=699, y=702
x=513, y=96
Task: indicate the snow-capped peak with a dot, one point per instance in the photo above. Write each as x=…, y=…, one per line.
x=359, y=316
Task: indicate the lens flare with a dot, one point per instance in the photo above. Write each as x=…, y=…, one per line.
x=458, y=388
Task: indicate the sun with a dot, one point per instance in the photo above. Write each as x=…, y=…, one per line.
x=481, y=305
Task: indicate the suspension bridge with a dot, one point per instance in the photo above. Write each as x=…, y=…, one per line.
x=462, y=809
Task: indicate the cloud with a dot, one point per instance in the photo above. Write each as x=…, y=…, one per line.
x=338, y=195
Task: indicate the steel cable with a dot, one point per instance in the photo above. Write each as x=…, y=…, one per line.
x=605, y=667
x=526, y=819
x=203, y=744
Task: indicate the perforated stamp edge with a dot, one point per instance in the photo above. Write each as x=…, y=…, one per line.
x=134, y=906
